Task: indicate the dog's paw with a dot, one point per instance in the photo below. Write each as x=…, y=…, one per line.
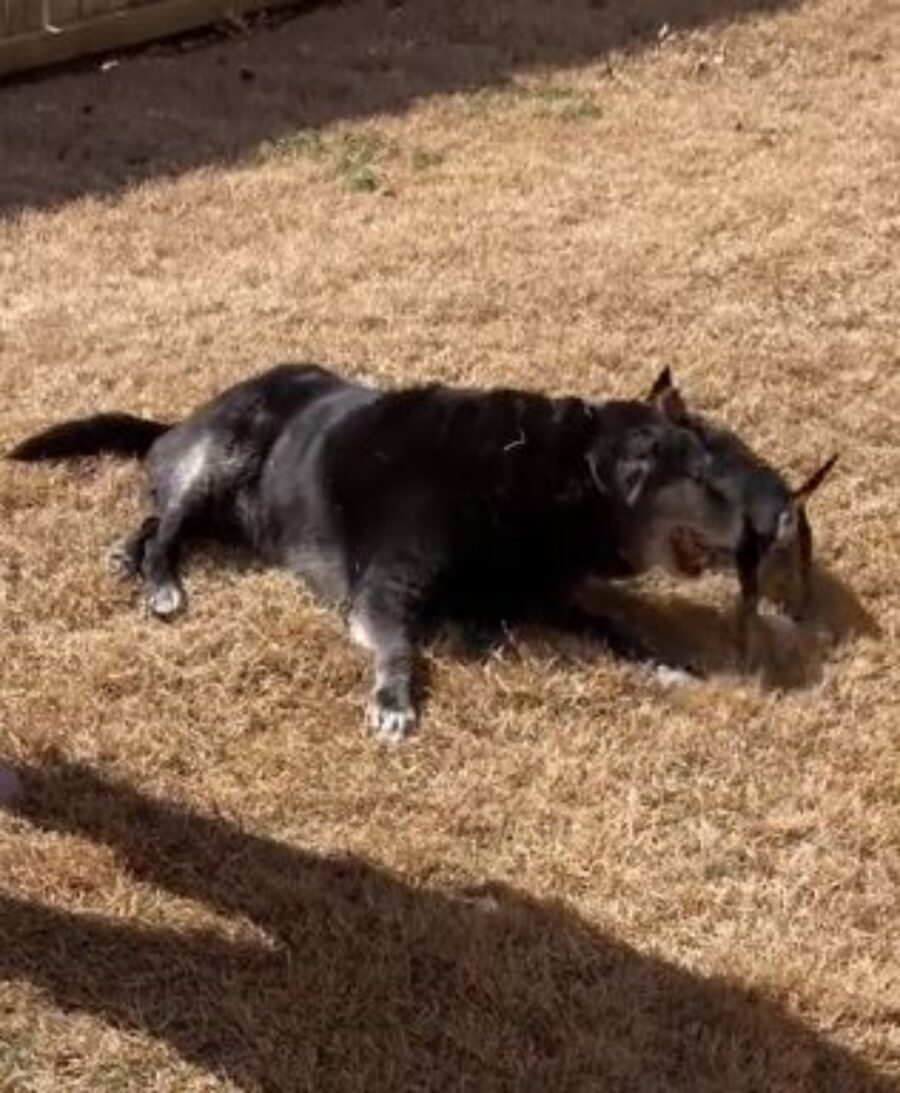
x=667, y=676
x=390, y=722
x=166, y=600
x=120, y=561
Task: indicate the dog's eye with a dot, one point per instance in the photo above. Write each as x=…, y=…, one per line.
x=699, y=468
x=643, y=444
x=787, y=525
x=714, y=492
x=695, y=459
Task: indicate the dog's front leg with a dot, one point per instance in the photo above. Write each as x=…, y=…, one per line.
x=805, y=564
x=380, y=621
x=749, y=554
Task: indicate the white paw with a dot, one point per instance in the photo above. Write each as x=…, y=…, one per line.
x=165, y=600
x=672, y=677
x=390, y=726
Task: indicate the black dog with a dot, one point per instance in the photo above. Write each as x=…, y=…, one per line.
x=411, y=507
x=765, y=535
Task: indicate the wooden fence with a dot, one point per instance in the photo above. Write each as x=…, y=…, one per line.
x=36, y=33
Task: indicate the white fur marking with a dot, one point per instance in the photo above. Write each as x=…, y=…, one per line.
x=672, y=677
x=360, y=635
x=191, y=467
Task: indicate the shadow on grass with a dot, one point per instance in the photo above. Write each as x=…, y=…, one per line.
x=366, y=982
x=166, y=111
x=785, y=657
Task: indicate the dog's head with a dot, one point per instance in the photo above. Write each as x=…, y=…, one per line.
x=658, y=475
x=785, y=566
x=770, y=533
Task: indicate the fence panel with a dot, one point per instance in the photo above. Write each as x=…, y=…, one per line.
x=37, y=33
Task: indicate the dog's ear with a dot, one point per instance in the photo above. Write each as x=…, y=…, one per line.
x=661, y=384
x=809, y=487
x=666, y=397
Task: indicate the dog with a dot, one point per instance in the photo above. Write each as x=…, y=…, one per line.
x=413, y=507
x=767, y=537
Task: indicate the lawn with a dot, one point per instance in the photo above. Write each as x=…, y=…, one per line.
x=572, y=877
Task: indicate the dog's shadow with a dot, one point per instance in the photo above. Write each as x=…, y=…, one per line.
x=784, y=656
x=332, y=973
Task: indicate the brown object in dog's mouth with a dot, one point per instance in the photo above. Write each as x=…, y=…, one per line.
x=690, y=553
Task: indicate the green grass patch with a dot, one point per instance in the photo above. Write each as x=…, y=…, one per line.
x=357, y=157
x=358, y=154
x=566, y=103
x=305, y=143
x=424, y=159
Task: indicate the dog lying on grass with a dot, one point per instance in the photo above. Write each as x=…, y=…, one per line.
x=409, y=508
x=766, y=537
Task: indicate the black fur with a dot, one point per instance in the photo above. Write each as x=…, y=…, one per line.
x=119, y=434
x=410, y=507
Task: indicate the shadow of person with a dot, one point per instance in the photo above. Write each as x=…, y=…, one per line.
x=362, y=981
x=162, y=112
x=785, y=656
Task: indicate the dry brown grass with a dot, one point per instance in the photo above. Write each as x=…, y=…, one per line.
x=571, y=877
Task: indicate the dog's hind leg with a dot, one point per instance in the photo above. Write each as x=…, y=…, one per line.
x=749, y=553
x=380, y=621
x=162, y=589
x=183, y=475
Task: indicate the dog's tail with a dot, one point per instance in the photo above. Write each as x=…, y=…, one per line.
x=116, y=434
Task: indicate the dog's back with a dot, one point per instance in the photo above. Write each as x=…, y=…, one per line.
x=486, y=497
x=213, y=460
